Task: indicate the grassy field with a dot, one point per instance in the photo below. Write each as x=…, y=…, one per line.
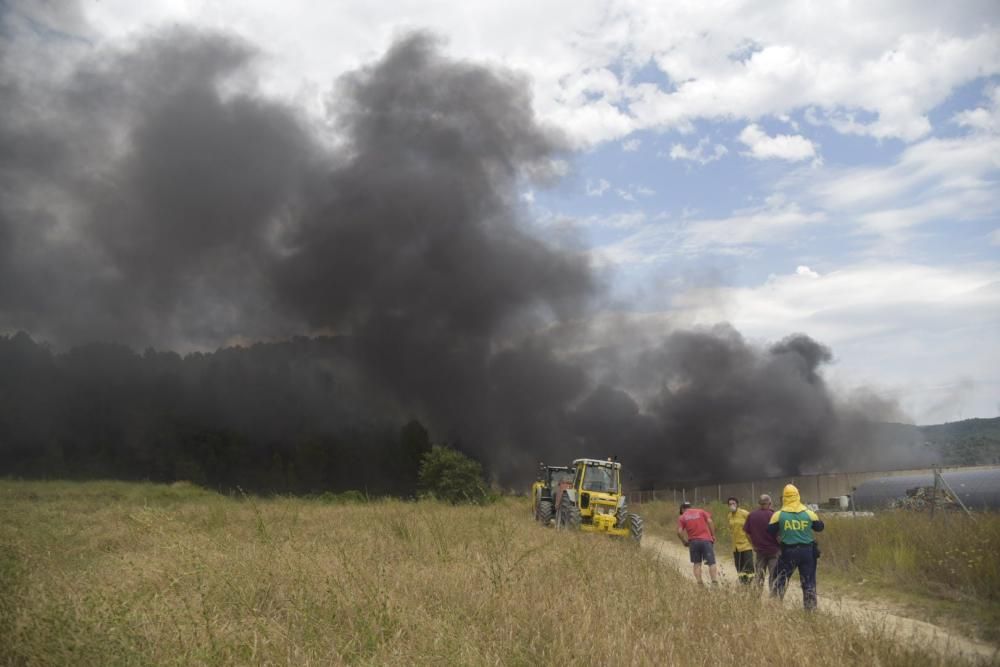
x=944, y=569
x=117, y=574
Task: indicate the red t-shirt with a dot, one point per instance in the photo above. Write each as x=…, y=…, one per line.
x=695, y=522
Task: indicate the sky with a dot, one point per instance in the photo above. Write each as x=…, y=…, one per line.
x=825, y=168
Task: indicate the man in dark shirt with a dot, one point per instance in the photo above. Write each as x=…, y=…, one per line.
x=765, y=545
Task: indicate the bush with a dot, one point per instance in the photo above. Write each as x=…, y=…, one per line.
x=449, y=475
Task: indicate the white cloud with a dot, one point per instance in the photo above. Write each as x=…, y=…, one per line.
x=621, y=221
x=700, y=153
x=775, y=221
x=597, y=189
x=805, y=271
x=791, y=147
x=994, y=237
x=893, y=61
x=936, y=179
x=878, y=318
x=631, y=145
x=982, y=119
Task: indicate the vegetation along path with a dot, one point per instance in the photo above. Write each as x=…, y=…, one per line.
x=909, y=630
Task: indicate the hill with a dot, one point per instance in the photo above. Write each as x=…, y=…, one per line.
x=966, y=442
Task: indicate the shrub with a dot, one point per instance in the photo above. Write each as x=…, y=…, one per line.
x=451, y=476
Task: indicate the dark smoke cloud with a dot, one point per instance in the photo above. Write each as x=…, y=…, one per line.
x=153, y=196
x=724, y=408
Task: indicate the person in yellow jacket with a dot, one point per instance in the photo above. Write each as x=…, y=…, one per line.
x=742, y=548
x=794, y=525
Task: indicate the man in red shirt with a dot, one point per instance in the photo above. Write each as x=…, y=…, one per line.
x=697, y=532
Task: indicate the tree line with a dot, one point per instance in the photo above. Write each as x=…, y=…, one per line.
x=284, y=417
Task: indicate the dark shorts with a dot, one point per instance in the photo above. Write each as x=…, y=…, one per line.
x=701, y=550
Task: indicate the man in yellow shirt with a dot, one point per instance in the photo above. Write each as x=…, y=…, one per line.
x=742, y=548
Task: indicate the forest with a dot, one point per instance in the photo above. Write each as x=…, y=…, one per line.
x=272, y=418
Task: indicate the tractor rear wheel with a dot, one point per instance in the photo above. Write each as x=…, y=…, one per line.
x=569, y=513
x=545, y=512
x=635, y=527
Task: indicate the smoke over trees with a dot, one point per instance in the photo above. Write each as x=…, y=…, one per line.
x=151, y=195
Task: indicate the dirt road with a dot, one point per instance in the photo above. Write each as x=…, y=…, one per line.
x=906, y=629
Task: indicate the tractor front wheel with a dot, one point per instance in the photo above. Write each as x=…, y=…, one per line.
x=545, y=512
x=621, y=516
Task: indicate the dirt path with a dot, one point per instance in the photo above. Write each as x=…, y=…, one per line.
x=913, y=631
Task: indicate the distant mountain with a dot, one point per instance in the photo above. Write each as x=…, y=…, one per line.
x=966, y=442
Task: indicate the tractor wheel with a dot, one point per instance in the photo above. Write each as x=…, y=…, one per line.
x=569, y=513
x=545, y=512
x=635, y=527
x=621, y=515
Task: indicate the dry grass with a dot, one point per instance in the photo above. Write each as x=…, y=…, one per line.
x=119, y=574
x=950, y=551
x=944, y=569
x=946, y=566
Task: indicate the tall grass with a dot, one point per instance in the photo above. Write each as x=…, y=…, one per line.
x=138, y=574
x=949, y=552
x=949, y=563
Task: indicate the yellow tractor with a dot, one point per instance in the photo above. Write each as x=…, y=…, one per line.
x=592, y=501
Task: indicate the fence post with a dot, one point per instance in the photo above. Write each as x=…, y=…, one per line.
x=720, y=493
x=937, y=477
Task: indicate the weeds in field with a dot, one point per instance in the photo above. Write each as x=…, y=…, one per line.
x=107, y=573
x=945, y=565
x=948, y=552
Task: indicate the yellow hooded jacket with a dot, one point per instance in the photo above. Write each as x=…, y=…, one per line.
x=740, y=540
x=794, y=523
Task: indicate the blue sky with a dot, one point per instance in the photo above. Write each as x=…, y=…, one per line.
x=784, y=166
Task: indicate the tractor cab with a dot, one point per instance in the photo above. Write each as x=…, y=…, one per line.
x=547, y=490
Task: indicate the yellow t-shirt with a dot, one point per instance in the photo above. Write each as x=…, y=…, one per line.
x=740, y=540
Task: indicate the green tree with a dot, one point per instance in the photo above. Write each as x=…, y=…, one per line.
x=414, y=444
x=452, y=476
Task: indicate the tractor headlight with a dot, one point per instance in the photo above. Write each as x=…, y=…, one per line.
x=604, y=509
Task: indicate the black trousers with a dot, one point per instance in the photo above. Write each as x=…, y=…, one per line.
x=802, y=558
x=744, y=565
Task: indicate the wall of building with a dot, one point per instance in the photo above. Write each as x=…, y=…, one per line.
x=818, y=489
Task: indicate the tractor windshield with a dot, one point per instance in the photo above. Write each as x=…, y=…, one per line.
x=600, y=478
x=560, y=476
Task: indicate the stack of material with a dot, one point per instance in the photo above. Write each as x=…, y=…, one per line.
x=922, y=498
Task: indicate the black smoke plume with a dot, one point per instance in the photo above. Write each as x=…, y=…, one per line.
x=151, y=195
